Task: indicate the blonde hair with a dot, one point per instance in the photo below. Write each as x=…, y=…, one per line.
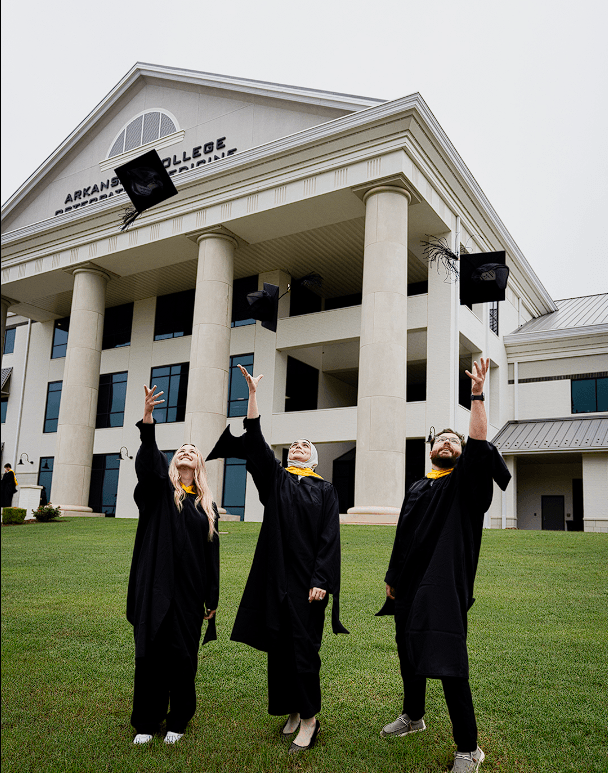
x=204, y=498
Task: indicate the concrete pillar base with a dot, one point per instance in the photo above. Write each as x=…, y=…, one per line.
x=228, y=517
x=371, y=515
x=74, y=512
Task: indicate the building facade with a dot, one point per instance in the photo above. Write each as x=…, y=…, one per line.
x=276, y=183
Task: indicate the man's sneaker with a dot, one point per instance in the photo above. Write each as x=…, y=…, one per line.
x=468, y=762
x=172, y=737
x=403, y=725
x=142, y=738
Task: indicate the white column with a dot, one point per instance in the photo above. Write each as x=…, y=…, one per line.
x=595, y=491
x=78, y=411
x=207, y=401
x=441, y=351
x=381, y=403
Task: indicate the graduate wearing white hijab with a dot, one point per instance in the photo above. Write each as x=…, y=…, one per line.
x=295, y=568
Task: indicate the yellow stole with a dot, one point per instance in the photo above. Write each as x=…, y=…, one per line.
x=303, y=471
x=188, y=489
x=438, y=473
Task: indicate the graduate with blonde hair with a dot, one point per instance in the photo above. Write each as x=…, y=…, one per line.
x=174, y=580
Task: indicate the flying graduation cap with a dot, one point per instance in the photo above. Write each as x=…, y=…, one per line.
x=146, y=183
x=264, y=306
x=483, y=277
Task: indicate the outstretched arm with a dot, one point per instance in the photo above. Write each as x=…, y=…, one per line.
x=478, y=425
x=252, y=383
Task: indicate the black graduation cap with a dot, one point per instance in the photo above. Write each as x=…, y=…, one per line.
x=146, y=183
x=264, y=305
x=483, y=277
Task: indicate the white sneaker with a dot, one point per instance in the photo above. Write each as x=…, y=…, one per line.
x=172, y=737
x=142, y=738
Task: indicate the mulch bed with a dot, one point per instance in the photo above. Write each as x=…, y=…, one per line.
x=31, y=520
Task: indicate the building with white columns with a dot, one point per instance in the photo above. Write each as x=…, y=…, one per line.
x=276, y=182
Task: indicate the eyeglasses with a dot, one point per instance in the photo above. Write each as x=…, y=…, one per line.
x=446, y=438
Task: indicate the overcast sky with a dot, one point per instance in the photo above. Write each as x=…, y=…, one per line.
x=519, y=86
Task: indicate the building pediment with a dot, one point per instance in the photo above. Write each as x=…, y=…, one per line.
x=191, y=118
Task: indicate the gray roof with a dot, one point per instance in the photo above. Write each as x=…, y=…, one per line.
x=587, y=433
x=590, y=310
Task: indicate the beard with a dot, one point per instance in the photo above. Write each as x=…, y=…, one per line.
x=444, y=462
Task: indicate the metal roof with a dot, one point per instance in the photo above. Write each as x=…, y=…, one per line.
x=571, y=313
x=587, y=433
x=6, y=374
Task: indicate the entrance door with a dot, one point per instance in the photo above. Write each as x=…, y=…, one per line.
x=104, y=484
x=553, y=513
x=577, y=505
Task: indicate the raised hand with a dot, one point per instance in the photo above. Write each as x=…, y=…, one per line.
x=150, y=402
x=252, y=382
x=478, y=376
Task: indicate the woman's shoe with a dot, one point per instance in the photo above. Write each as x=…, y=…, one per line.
x=294, y=746
x=291, y=732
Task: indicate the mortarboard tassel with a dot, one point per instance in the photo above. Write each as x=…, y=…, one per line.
x=129, y=216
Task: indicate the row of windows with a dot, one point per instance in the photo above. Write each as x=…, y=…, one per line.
x=587, y=395
x=103, y=489
x=170, y=379
x=175, y=313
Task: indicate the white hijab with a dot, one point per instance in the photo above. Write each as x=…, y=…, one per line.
x=312, y=462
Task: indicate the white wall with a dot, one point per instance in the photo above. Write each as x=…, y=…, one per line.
x=537, y=480
x=595, y=491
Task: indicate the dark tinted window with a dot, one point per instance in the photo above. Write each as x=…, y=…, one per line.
x=418, y=288
x=111, y=400
x=169, y=455
x=4, y=404
x=238, y=392
x=303, y=301
x=302, y=386
x=117, y=324
x=343, y=301
x=589, y=395
x=60, y=338
x=9, y=340
x=174, y=314
x=104, y=484
x=45, y=473
x=235, y=483
x=173, y=381
x=240, y=307
x=53, y=401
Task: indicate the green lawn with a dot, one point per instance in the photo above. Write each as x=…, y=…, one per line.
x=537, y=641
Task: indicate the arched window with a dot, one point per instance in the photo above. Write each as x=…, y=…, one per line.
x=144, y=128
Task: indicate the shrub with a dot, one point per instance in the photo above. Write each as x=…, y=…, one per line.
x=47, y=513
x=13, y=514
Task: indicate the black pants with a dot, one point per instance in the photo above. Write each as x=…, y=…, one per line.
x=458, y=697
x=166, y=673
x=293, y=691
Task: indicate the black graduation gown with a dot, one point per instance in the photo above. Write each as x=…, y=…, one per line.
x=434, y=560
x=174, y=565
x=8, y=488
x=298, y=548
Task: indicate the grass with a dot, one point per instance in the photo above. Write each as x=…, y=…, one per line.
x=537, y=642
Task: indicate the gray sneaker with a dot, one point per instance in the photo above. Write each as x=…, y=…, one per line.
x=403, y=725
x=468, y=762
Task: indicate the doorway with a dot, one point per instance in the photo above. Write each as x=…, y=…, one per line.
x=552, y=509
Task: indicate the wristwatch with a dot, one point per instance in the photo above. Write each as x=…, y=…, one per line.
x=478, y=397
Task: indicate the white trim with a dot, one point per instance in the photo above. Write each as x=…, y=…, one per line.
x=122, y=158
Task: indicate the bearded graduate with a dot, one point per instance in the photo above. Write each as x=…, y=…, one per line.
x=429, y=582
x=174, y=580
x=295, y=567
